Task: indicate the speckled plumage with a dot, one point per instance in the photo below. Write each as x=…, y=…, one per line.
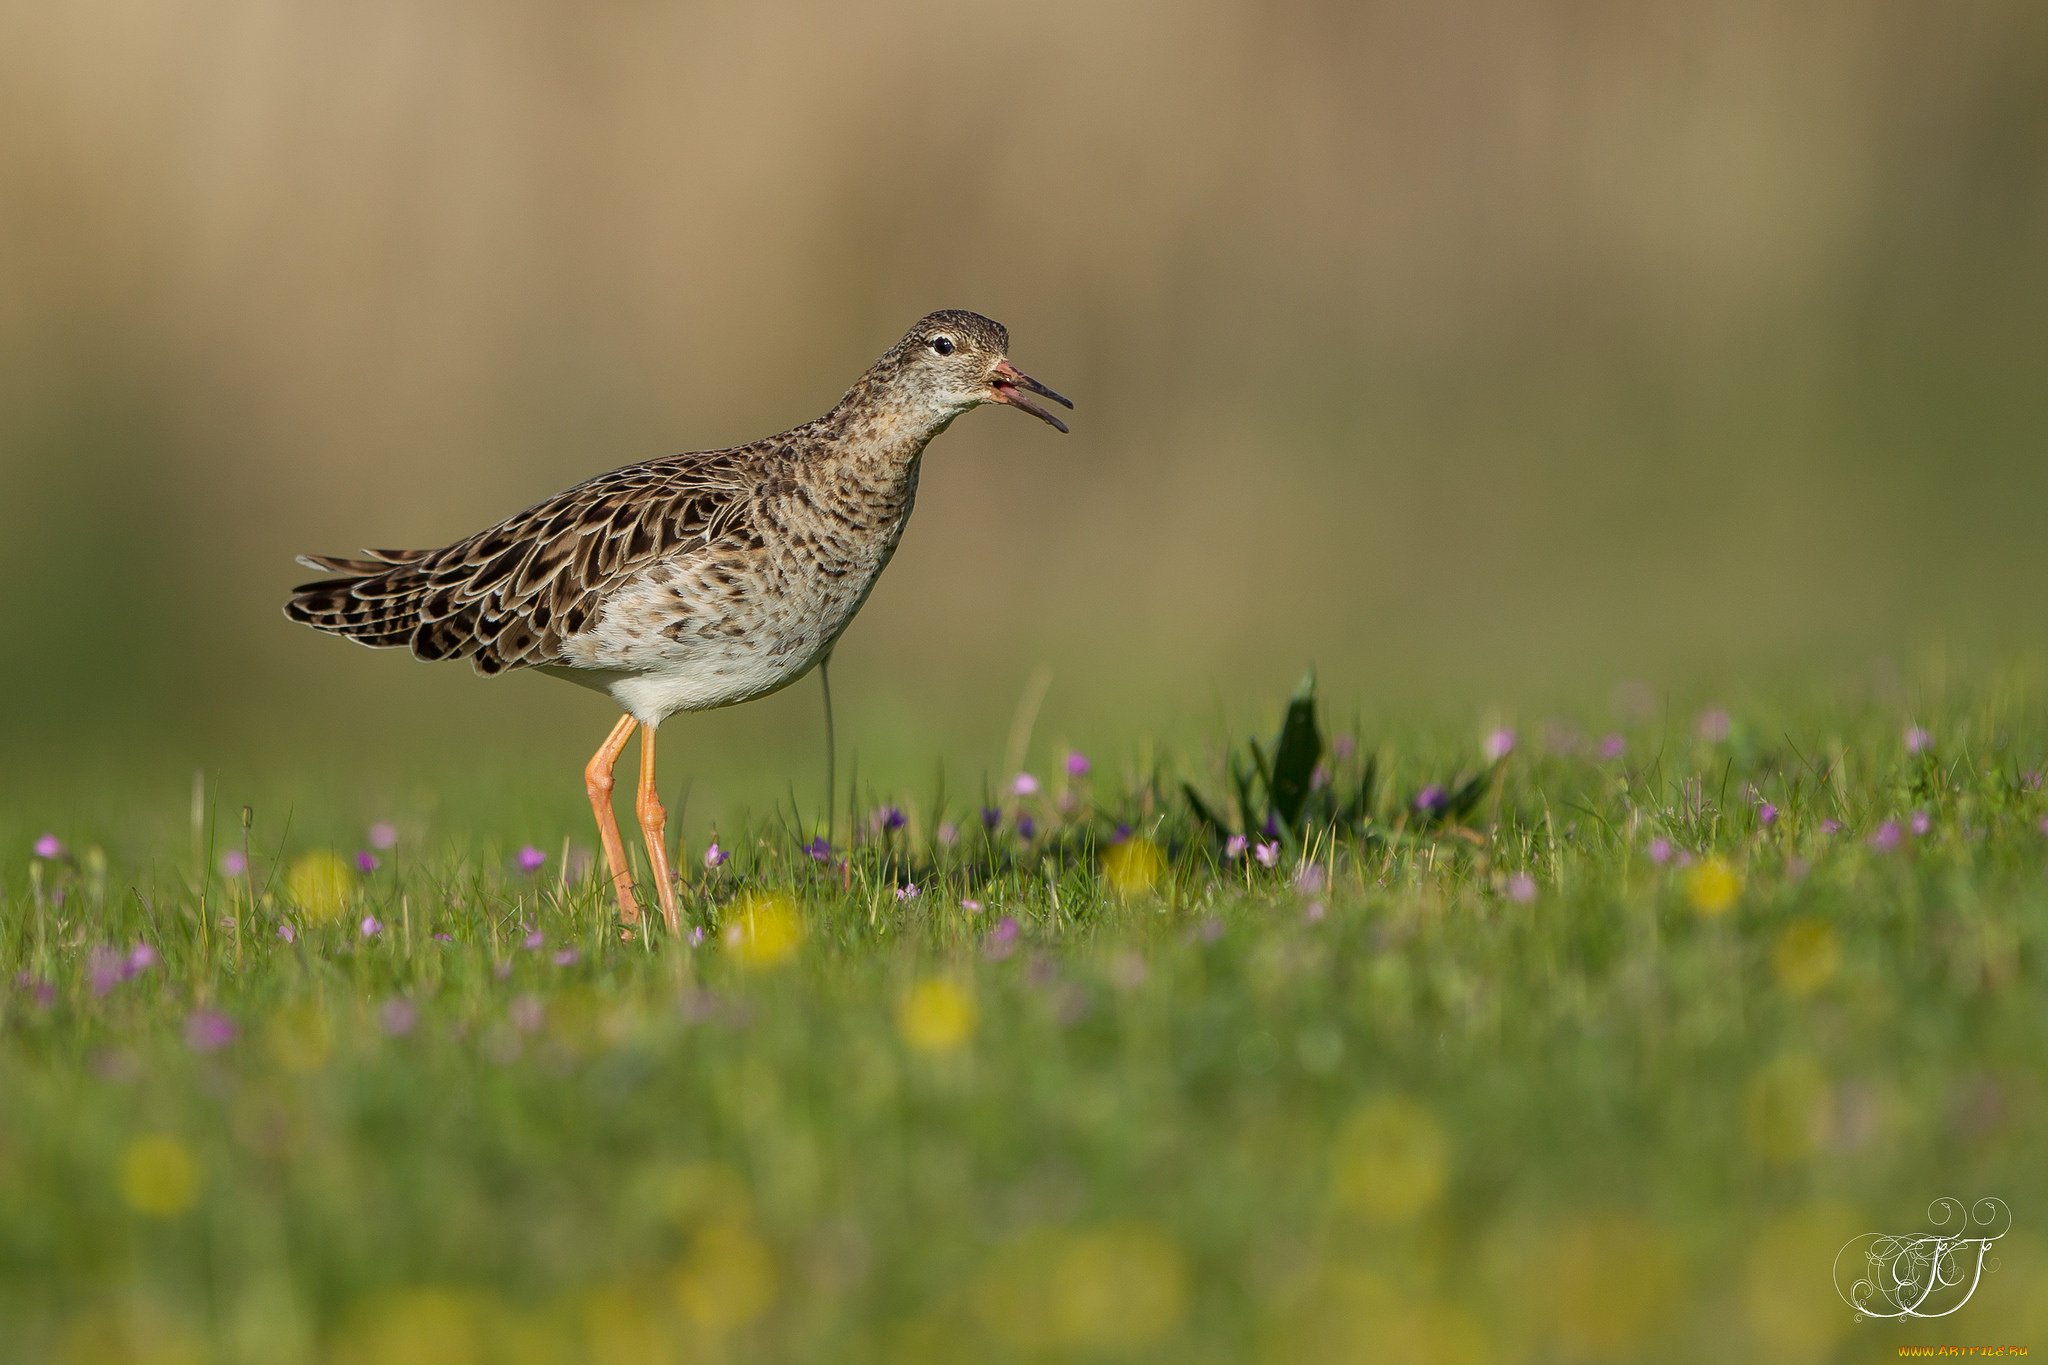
x=695, y=580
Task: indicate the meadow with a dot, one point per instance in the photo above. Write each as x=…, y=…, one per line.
x=1588, y=1039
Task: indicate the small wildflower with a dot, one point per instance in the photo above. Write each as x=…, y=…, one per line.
x=2044, y=824
x=1714, y=725
x=49, y=846
x=1918, y=740
x=1660, y=851
x=398, y=1017
x=1310, y=878
x=1077, y=764
x=530, y=859
x=763, y=930
x=715, y=856
x=949, y=833
x=697, y=936
x=820, y=850
x=1429, y=798
x=974, y=906
x=565, y=957
x=1521, y=888
x=233, y=863
x=937, y=1016
x=1805, y=956
x=526, y=1013
x=1001, y=941
x=1343, y=746
x=1024, y=784
x=1319, y=778
x=1026, y=827
x=2032, y=781
x=1134, y=867
x=1314, y=912
x=444, y=938
x=366, y=862
x=1795, y=868
x=1886, y=836
x=206, y=1031
x=1921, y=823
x=1235, y=845
x=1712, y=886
x=383, y=834
x=1766, y=814
x=1271, y=829
x=371, y=926
x=535, y=941
x=140, y=959
x=1612, y=747
x=287, y=933
x=889, y=819
x=1267, y=854
x=1498, y=744
x=103, y=969
x=1831, y=827
x=1123, y=832
x=908, y=892
x=990, y=817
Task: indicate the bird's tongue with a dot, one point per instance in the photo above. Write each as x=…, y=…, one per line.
x=1009, y=385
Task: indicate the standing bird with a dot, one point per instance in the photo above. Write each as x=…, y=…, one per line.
x=689, y=582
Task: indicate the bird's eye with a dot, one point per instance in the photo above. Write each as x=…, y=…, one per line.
x=942, y=344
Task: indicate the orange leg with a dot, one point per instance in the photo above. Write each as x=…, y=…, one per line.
x=597, y=781
x=654, y=825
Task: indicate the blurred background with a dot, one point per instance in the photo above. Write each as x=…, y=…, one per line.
x=1479, y=353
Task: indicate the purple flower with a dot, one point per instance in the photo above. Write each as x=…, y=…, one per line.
x=45, y=994
x=971, y=905
x=140, y=959
x=206, y=1031
x=1271, y=829
x=530, y=859
x=889, y=819
x=1660, y=851
x=949, y=833
x=697, y=936
x=1498, y=744
x=1766, y=814
x=820, y=850
x=1886, y=837
x=287, y=933
x=1918, y=740
x=1319, y=778
x=234, y=863
x=1026, y=827
x=1714, y=725
x=366, y=862
x=1267, y=854
x=1921, y=824
x=2032, y=781
x=104, y=968
x=1077, y=764
x=908, y=893
x=990, y=817
x=1024, y=784
x=1123, y=832
x=371, y=926
x=1001, y=940
x=1235, y=845
x=1521, y=888
x=1795, y=868
x=49, y=846
x=1429, y=798
x=1612, y=747
x=398, y=1016
x=715, y=856
x=383, y=834
x=1314, y=912
x=1310, y=878
x=535, y=941
x=565, y=957
x=526, y=1013
x=1343, y=746
x=1831, y=827
x=444, y=938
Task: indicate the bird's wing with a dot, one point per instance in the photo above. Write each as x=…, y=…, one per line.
x=508, y=597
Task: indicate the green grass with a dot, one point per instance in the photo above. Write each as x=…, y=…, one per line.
x=1409, y=1116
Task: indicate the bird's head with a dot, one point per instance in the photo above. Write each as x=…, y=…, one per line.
x=954, y=360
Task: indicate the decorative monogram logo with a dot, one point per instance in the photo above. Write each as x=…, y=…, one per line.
x=1923, y=1275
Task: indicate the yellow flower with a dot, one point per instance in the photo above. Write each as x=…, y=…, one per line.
x=1611, y=1284
x=298, y=1038
x=762, y=929
x=728, y=1279
x=319, y=884
x=1712, y=886
x=1134, y=866
x=1786, y=1113
x=158, y=1176
x=1390, y=1160
x=1805, y=955
x=1796, y=1314
x=1119, y=1288
x=936, y=1016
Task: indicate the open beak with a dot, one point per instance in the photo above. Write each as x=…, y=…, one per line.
x=1010, y=385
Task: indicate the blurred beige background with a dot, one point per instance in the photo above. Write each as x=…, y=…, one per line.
x=1477, y=352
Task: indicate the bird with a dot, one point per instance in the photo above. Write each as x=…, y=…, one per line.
x=690, y=581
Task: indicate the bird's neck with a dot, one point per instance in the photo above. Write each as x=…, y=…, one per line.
x=881, y=439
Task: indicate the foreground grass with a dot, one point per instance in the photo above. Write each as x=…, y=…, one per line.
x=1609, y=1070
